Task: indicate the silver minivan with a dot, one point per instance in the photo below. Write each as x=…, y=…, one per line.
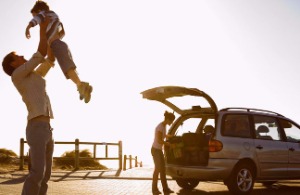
x=239, y=146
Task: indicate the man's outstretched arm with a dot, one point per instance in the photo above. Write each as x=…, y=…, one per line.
x=42, y=48
x=47, y=64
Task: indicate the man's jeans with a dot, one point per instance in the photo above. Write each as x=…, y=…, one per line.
x=41, y=144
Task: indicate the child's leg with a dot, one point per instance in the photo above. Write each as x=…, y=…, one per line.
x=72, y=74
x=63, y=55
x=84, y=88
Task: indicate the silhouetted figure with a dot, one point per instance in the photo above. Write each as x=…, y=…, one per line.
x=27, y=77
x=158, y=156
x=55, y=32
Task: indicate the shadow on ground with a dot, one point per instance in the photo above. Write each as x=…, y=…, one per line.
x=14, y=180
x=84, y=175
x=275, y=189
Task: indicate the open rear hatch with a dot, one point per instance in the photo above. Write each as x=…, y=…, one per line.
x=164, y=93
x=190, y=148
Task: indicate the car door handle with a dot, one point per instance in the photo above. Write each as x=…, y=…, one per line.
x=259, y=147
x=292, y=149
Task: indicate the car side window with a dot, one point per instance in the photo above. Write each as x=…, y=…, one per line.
x=236, y=125
x=292, y=132
x=266, y=128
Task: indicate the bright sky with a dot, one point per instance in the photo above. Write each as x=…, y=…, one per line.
x=242, y=53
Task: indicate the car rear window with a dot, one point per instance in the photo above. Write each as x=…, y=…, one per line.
x=236, y=125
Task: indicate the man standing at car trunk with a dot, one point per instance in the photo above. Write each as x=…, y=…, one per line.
x=27, y=76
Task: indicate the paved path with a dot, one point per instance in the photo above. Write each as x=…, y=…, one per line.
x=136, y=181
x=110, y=182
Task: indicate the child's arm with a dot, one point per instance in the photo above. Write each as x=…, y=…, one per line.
x=27, y=32
x=35, y=21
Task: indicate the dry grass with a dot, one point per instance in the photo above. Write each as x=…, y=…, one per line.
x=8, y=168
x=9, y=162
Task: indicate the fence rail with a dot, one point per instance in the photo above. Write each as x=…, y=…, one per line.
x=77, y=158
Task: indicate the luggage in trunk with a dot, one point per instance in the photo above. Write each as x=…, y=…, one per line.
x=191, y=149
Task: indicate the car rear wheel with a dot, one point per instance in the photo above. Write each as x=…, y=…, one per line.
x=187, y=184
x=241, y=180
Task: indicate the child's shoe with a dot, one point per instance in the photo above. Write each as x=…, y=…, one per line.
x=82, y=88
x=87, y=95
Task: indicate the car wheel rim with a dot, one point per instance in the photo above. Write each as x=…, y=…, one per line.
x=244, y=180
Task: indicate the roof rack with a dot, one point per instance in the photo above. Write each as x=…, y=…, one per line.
x=251, y=109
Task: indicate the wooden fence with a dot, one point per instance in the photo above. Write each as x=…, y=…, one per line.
x=131, y=159
x=77, y=158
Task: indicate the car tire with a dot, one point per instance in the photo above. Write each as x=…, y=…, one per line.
x=187, y=184
x=241, y=180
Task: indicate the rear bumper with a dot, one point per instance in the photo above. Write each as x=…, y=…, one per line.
x=217, y=169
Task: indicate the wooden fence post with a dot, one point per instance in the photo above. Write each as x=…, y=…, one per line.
x=120, y=155
x=95, y=151
x=21, y=154
x=124, y=163
x=76, y=154
x=136, y=161
x=106, y=150
x=130, y=161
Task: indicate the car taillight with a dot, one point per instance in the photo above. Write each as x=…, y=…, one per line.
x=215, y=146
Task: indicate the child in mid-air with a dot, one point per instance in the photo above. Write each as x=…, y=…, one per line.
x=55, y=32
